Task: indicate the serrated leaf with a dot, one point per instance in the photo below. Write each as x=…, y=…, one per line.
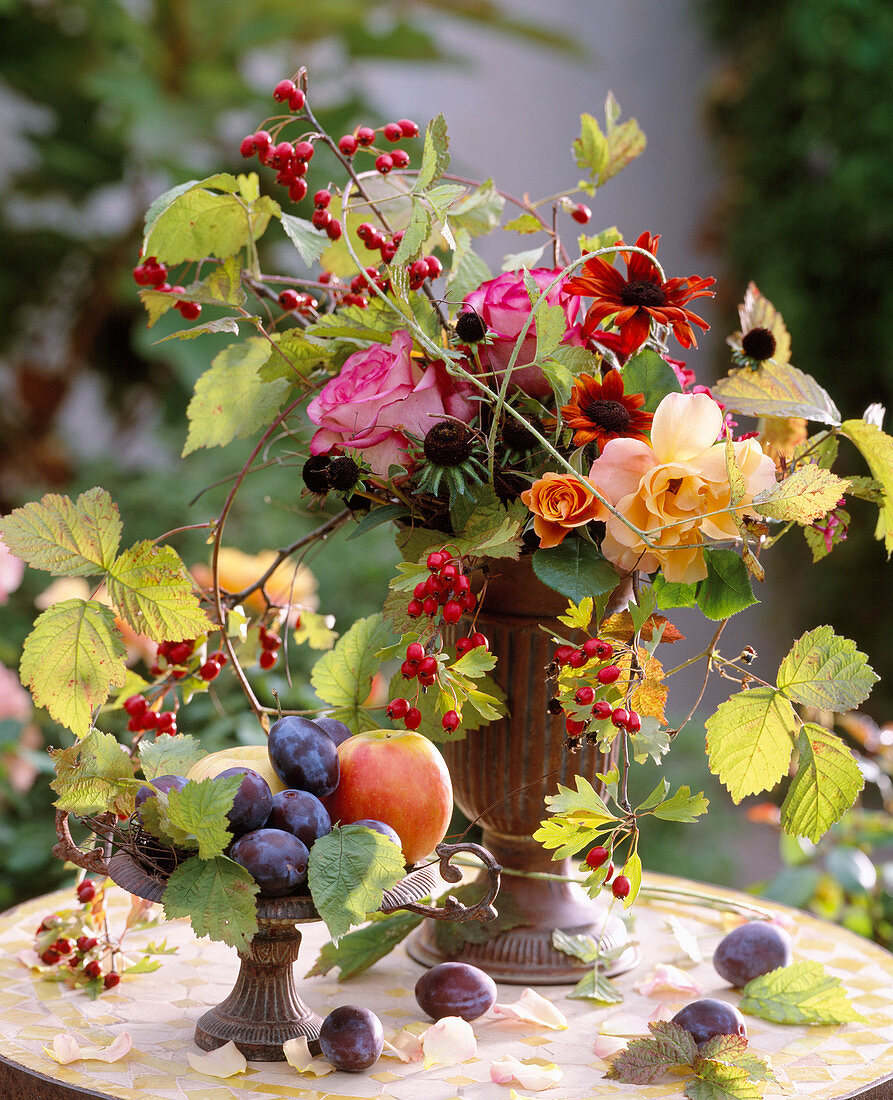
x=69, y=538
x=200, y=810
x=674, y=594
x=776, y=389
x=682, y=806
x=467, y=270
x=316, y=630
x=827, y=782
x=648, y=374
x=356, y=951
x=568, y=837
x=220, y=324
x=633, y=871
x=169, y=755
x=474, y=663
x=223, y=287
x=435, y=154
x=517, y=261
x=750, y=740
x=718, y=1081
x=733, y=471
x=802, y=993
x=551, y=321
x=826, y=671
x=89, y=775
x=480, y=211
x=71, y=660
x=231, y=400
x=306, y=238
x=653, y=740
x=375, y=323
x=349, y=870
x=806, y=495
x=584, y=803
x=576, y=569
x=157, y=303
x=876, y=448
x=202, y=222
x=149, y=586
x=218, y=896
x=595, y=987
x=525, y=223
x=644, y=1060
x=726, y=589
x=590, y=149
x=578, y=616
x=416, y=233
x=578, y=945
x=343, y=676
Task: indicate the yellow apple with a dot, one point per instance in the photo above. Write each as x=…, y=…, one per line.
x=255, y=757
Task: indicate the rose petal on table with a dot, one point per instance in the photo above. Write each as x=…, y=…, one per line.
x=624, y=1024
x=403, y=1045
x=67, y=1049
x=606, y=1046
x=30, y=959
x=533, y=1008
x=664, y=976
x=225, y=1061
x=297, y=1054
x=448, y=1042
x=529, y=1075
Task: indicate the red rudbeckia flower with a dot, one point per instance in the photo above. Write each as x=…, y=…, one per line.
x=632, y=302
x=599, y=411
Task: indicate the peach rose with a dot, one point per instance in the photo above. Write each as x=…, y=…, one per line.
x=559, y=503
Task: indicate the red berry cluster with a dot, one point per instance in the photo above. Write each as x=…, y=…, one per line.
x=447, y=590
x=270, y=642
x=150, y=272
x=595, y=650
x=363, y=137
x=143, y=717
x=597, y=857
x=294, y=302
x=57, y=941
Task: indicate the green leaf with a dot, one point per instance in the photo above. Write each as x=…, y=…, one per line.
x=876, y=448
x=468, y=270
x=89, y=775
x=491, y=529
x=435, y=155
x=474, y=663
x=802, y=993
x=294, y=356
x=644, y=1060
x=480, y=211
x=719, y=1081
x=583, y=803
x=169, y=755
x=567, y=837
x=218, y=896
x=594, y=986
x=551, y=321
x=223, y=287
x=71, y=660
x=517, y=261
x=641, y=609
x=576, y=569
x=827, y=782
x=625, y=142
x=806, y=495
x=776, y=389
x=356, y=951
x=750, y=740
x=590, y=149
x=578, y=616
x=525, y=223
x=682, y=806
x=70, y=539
x=580, y=946
x=220, y=324
x=633, y=871
x=149, y=586
x=231, y=400
x=306, y=238
x=826, y=671
x=653, y=740
x=648, y=374
x=343, y=676
x=349, y=870
x=727, y=589
x=674, y=594
x=201, y=222
x=416, y=233
x=377, y=517
x=200, y=810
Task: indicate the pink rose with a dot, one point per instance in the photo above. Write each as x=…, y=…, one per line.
x=379, y=396
x=504, y=305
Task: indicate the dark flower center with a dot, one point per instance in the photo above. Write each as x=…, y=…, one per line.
x=448, y=444
x=758, y=344
x=643, y=293
x=612, y=416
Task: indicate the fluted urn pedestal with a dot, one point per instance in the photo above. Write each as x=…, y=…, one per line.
x=501, y=775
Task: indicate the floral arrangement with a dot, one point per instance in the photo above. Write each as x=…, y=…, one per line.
x=537, y=413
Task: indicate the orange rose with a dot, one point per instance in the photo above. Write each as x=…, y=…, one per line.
x=560, y=502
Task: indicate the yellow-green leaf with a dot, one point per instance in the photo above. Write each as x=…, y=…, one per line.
x=71, y=660
x=776, y=389
x=231, y=400
x=69, y=538
x=877, y=450
x=149, y=586
x=92, y=775
x=826, y=671
x=200, y=810
x=825, y=786
x=750, y=740
x=590, y=149
x=524, y=223
x=203, y=222
x=585, y=801
x=809, y=493
x=343, y=676
x=218, y=896
x=802, y=993
x=435, y=154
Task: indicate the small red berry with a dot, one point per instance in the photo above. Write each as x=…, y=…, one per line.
x=634, y=722
x=407, y=127
x=430, y=605
x=464, y=645
x=297, y=99
x=450, y=721
x=428, y=666
x=304, y=150
x=415, y=651
x=596, y=856
x=86, y=943
x=436, y=560
x=620, y=887
x=365, y=135
x=602, y=709
x=609, y=874
x=562, y=654
x=620, y=717
x=111, y=980
x=413, y=718
x=584, y=695
x=397, y=708
x=297, y=191
x=136, y=705
x=320, y=218
x=573, y=727
x=179, y=653
x=269, y=639
x=189, y=311
x=392, y=131
x=603, y=650
x=581, y=213
x=150, y=720
x=284, y=90
x=409, y=669
x=322, y=198
x=267, y=659
x=262, y=142
x=348, y=145
x=93, y=969
x=247, y=148
x=415, y=608
x=577, y=659
x=480, y=639
x=50, y=957
x=608, y=675
x=52, y=921
x=63, y=947
x=209, y=671
x=400, y=158
x=86, y=891
x=384, y=162
x=469, y=601
x=334, y=230
x=452, y=611
x=435, y=267
x=289, y=299
x=365, y=231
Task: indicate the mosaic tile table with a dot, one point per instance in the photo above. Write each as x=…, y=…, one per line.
x=159, y=1010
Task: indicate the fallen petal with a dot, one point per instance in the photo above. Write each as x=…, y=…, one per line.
x=624, y=1024
x=665, y=976
x=606, y=1046
x=225, y=1061
x=529, y=1075
x=533, y=1008
x=67, y=1049
x=403, y=1045
x=297, y=1054
x=448, y=1042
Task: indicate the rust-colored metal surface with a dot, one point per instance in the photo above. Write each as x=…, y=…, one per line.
x=502, y=773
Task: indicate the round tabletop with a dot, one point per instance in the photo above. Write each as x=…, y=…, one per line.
x=159, y=1011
